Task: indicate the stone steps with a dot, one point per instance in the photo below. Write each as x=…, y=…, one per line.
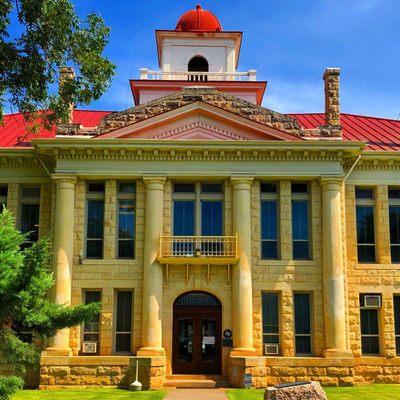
x=196, y=381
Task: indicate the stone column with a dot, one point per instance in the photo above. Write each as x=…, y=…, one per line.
x=333, y=270
x=152, y=270
x=63, y=253
x=242, y=286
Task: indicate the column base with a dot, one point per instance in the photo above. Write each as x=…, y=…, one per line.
x=337, y=353
x=243, y=352
x=151, y=351
x=57, y=352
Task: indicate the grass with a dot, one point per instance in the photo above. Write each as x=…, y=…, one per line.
x=88, y=394
x=368, y=392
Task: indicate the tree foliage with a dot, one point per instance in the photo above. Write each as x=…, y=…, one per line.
x=37, y=37
x=25, y=280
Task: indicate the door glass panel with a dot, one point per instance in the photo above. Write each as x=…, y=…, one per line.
x=185, y=339
x=208, y=339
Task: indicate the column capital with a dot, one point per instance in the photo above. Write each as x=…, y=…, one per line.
x=244, y=181
x=331, y=180
x=59, y=178
x=152, y=182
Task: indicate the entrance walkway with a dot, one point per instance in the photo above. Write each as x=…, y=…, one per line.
x=196, y=394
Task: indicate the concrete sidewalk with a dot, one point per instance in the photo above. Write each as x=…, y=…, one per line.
x=196, y=394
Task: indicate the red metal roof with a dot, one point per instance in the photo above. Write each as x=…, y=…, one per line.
x=379, y=133
x=13, y=132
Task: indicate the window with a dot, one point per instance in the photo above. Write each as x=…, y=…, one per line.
x=365, y=225
x=302, y=321
x=396, y=305
x=3, y=196
x=369, y=329
x=95, y=220
x=198, y=64
x=91, y=328
x=269, y=221
x=123, y=323
x=394, y=220
x=270, y=318
x=300, y=221
x=126, y=220
x=29, y=214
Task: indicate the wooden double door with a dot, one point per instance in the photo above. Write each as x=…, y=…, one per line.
x=197, y=340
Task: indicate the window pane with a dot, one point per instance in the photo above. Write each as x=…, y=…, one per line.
x=369, y=322
x=394, y=216
x=302, y=313
x=94, y=248
x=303, y=344
x=394, y=193
x=96, y=187
x=30, y=221
x=211, y=188
x=364, y=193
x=300, y=219
x=95, y=219
x=123, y=342
x=370, y=345
x=127, y=187
x=124, y=311
x=270, y=316
x=184, y=187
x=183, y=218
x=299, y=188
x=269, y=249
x=126, y=249
x=268, y=188
x=365, y=225
x=126, y=219
x=269, y=223
x=3, y=191
x=31, y=191
x=93, y=325
x=211, y=218
x=396, y=305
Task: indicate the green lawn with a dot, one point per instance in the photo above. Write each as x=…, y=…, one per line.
x=368, y=392
x=88, y=394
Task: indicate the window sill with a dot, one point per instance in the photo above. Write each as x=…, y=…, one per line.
x=102, y=261
x=367, y=266
x=286, y=263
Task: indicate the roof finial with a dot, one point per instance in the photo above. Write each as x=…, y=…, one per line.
x=198, y=6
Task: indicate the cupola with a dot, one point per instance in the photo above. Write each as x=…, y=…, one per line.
x=198, y=20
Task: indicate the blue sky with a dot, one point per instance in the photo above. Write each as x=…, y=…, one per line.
x=289, y=43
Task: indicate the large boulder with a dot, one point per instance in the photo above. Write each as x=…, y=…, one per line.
x=296, y=391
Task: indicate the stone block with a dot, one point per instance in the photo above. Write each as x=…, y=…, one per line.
x=311, y=391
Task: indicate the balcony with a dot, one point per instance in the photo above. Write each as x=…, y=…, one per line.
x=249, y=76
x=206, y=250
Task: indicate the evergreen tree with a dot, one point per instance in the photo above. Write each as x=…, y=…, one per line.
x=25, y=280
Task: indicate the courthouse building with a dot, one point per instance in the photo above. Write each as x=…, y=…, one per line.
x=221, y=237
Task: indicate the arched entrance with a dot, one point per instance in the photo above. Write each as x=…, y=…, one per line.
x=197, y=334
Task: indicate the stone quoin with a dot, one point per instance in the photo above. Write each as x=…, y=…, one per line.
x=222, y=238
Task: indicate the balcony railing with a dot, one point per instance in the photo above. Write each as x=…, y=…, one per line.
x=198, y=76
x=193, y=249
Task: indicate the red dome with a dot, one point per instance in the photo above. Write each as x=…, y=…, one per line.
x=198, y=20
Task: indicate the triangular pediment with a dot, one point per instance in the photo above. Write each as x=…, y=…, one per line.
x=199, y=121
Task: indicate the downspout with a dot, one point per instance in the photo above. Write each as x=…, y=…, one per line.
x=352, y=167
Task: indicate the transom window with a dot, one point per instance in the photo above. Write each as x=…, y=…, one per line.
x=3, y=196
x=95, y=220
x=198, y=209
x=394, y=220
x=269, y=221
x=369, y=329
x=302, y=316
x=270, y=318
x=126, y=219
x=301, y=221
x=91, y=328
x=29, y=213
x=365, y=204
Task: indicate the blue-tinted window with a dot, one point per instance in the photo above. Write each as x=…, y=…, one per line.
x=300, y=230
x=95, y=226
x=394, y=217
x=184, y=218
x=211, y=218
x=126, y=228
x=365, y=233
x=269, y=229
x=270, y=318
x=302, y=311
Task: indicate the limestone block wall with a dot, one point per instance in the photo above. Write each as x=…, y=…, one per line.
x=381, y=277
x=285, y=275
x=110, y=273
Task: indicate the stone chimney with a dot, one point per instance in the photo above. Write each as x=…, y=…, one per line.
x=67, y=73
x=332, y=125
